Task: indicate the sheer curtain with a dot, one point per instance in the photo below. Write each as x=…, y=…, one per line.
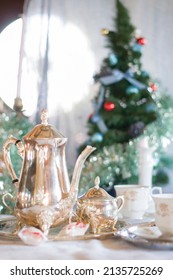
x=62, y=48
x=57, y=62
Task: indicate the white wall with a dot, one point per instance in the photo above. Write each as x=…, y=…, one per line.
x=155, y=20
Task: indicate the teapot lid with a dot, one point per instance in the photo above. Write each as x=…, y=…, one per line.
x=96, y=193
x=43, y=130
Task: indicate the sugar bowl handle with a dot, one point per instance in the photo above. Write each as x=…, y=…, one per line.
x=7, y=158
x=120, y=202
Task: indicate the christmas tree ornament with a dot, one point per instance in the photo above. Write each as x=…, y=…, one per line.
x=141, y=41
x=90, y=117
x=136, y=129
x=109, y=106
x=151, y=107
x=104, y=31
x=132, y=90
x=95, y=118
x=113, y=59
x=97, y=137
x=137, y=48
x=153, y=87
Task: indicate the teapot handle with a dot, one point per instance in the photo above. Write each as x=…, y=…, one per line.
x=121, y=199
x=7, y=158
x=4, y=200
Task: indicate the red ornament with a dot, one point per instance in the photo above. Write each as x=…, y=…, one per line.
x=109, y=106
x=153, y=87
x=90, y=117
x=141, y=41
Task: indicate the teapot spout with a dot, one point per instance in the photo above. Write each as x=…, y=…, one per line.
x=78, y=169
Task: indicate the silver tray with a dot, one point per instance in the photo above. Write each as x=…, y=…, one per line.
x=8, y=228
x=146, y=235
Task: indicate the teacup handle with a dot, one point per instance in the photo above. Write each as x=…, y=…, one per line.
x=4, y=200
x=120, y=202
x=159, y=189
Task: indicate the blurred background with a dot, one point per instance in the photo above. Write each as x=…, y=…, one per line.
x=74, y=55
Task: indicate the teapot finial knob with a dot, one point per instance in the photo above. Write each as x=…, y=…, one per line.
x=97, y=182
x=44, y=117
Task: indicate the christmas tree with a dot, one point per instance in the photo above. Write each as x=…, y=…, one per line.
x=128, y=106
x=16, y=124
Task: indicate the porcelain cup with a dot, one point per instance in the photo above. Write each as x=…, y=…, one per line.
x=164, y=212
x=136, y=200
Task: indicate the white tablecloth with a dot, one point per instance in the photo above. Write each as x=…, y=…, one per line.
x=109, y=249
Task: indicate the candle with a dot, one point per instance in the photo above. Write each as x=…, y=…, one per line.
x=145, y=163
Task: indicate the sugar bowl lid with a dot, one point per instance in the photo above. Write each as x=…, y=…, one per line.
x=44, y=130
x=96, y=193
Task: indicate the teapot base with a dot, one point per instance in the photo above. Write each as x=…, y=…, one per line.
x=42, y=217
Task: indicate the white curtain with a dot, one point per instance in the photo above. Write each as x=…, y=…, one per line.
x=58, y=60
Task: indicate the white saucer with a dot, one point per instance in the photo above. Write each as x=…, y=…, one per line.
x=145, y=219
x=146, y=235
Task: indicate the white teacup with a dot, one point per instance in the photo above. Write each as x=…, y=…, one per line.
x=164, y=212
x=136, y=200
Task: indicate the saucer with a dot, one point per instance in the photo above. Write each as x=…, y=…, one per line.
x=145, y=219
x=146, y=235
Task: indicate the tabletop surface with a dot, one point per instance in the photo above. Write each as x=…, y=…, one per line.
x=110, y=248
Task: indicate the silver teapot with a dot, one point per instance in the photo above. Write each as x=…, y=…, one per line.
x=45, y=197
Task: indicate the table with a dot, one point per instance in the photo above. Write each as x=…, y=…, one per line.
x=112, y=248
x=109, y=249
